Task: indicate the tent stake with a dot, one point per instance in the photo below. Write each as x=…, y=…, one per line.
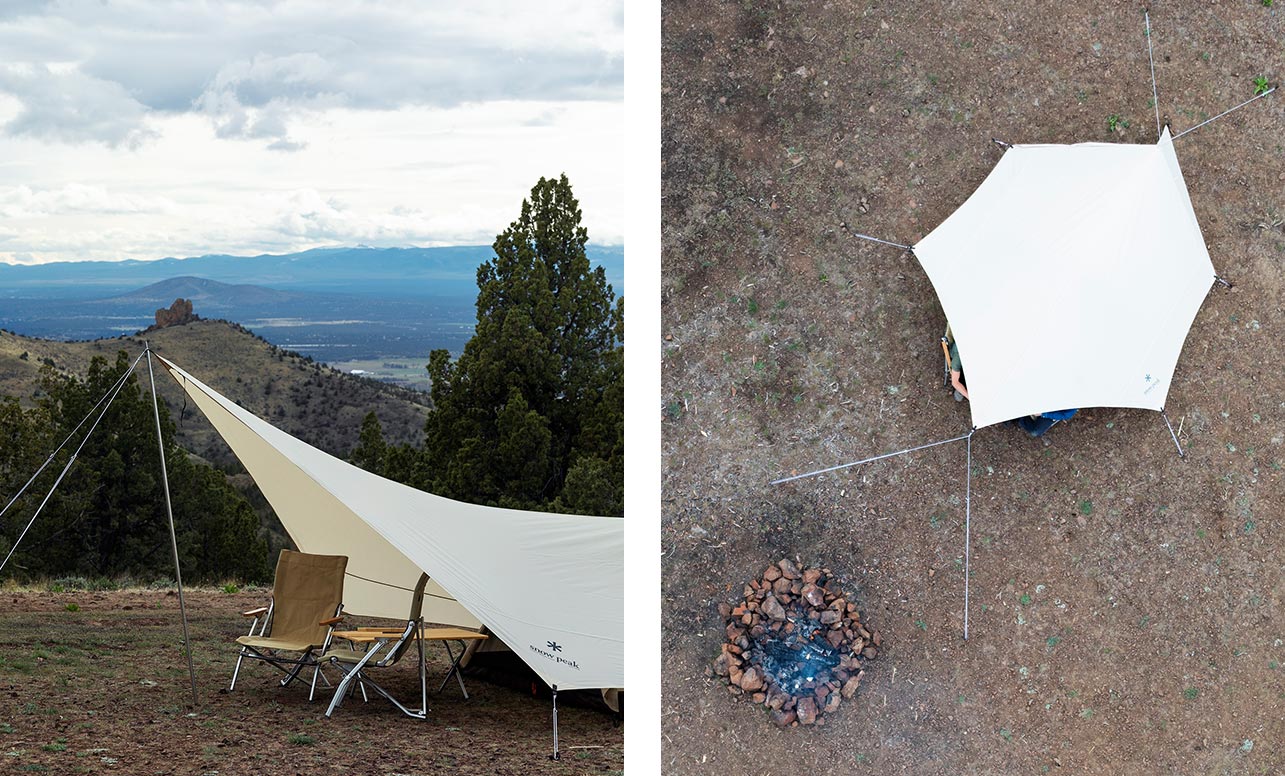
x=556, y=754
x=1222, y=280
x=1155, y=100
x=1001, y=143
x=169, y=511
x=968, y=525
x=1181, y=453
x=868, y=460
x=1224, y=113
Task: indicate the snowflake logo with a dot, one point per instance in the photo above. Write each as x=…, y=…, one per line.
x=555, y=646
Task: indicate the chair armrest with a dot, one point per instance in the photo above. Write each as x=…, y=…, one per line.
x=332, y=620
x=255, y=612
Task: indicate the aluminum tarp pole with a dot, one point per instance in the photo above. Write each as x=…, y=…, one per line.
x=876, y=239
x=968, y=525
x=556, y=754
x=1181, y=453
x=169, y=511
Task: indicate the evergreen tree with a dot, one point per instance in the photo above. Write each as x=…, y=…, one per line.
x=107, y=517
x=539, y=387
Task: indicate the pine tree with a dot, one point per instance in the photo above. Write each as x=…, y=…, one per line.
x=538, y=387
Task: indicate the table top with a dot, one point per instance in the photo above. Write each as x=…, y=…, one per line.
x=366, y=635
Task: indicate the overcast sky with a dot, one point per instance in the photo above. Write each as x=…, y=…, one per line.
x=144, y=129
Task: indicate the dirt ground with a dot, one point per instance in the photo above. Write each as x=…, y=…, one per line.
x=104, y=689
x=1128, y=606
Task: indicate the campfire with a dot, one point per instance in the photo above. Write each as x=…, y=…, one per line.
x=794, y=645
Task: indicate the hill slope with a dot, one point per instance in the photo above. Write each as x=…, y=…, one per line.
x=320, y=405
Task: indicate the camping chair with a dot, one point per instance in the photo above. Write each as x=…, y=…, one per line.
x=385, y=647
x=307, y=599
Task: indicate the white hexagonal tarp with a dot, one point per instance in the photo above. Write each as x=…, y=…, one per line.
x=1070, y=278
x=550, y=586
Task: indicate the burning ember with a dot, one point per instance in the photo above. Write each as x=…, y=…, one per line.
x=794, y=645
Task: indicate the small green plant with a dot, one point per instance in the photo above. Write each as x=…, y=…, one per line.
x=1116, y=122
x=1006, y=734
x=73, y=607
x=921, y=625
x=1086, y=507
x=1190, y=693
x=1260, y=85
x=1267, y=3
x=1025, y=599
x=300, y=739
x=230, y=588
x=6, y=728
x=57, y=746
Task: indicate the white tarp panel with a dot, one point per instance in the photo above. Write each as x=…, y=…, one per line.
x=1070, y=278
x=550, y=586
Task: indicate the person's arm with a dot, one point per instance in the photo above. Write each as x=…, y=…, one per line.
x=959, y=386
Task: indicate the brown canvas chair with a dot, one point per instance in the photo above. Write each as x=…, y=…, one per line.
x=384, y=648
x=307, y=599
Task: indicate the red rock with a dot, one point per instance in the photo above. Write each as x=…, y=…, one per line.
x=720, y=664
x=751, y=680
x=835, y=638
x=869, y=653
x=875, y=638
x=759, y=697
x=850, y=687
x=735, y=674
x=772, y=608
x=813, y=595
x=796, y=587
x=783, y=718
x=747, y=618
x=738, y=610
x=734, y=631
x=821, y=692
x=781, y=586
x=811, y=576
x=771, y=574
x=830, y=617
x=724, y=610
x=788, y=569
x=865, y=634
x=807, y=710
x=832, y=703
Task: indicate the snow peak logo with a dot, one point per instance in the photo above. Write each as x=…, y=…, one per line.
x=550, y=648
x=1152, y=382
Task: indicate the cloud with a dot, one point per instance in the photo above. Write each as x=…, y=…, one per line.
x=251, y=67
x=73, y=107
x=76, y=199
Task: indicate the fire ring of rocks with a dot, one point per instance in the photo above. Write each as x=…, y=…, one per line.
x=794, y=645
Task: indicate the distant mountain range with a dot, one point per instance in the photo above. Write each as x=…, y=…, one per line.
x=359, y=308
x=210, y=295
x=402, y=272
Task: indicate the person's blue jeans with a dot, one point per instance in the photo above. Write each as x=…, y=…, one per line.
x=1035, y=426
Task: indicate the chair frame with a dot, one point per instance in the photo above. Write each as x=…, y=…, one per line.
x=263, y=619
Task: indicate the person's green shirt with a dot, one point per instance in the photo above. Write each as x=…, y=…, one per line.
x=955, y=365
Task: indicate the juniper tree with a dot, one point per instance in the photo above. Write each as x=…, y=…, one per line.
x=535, y=401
